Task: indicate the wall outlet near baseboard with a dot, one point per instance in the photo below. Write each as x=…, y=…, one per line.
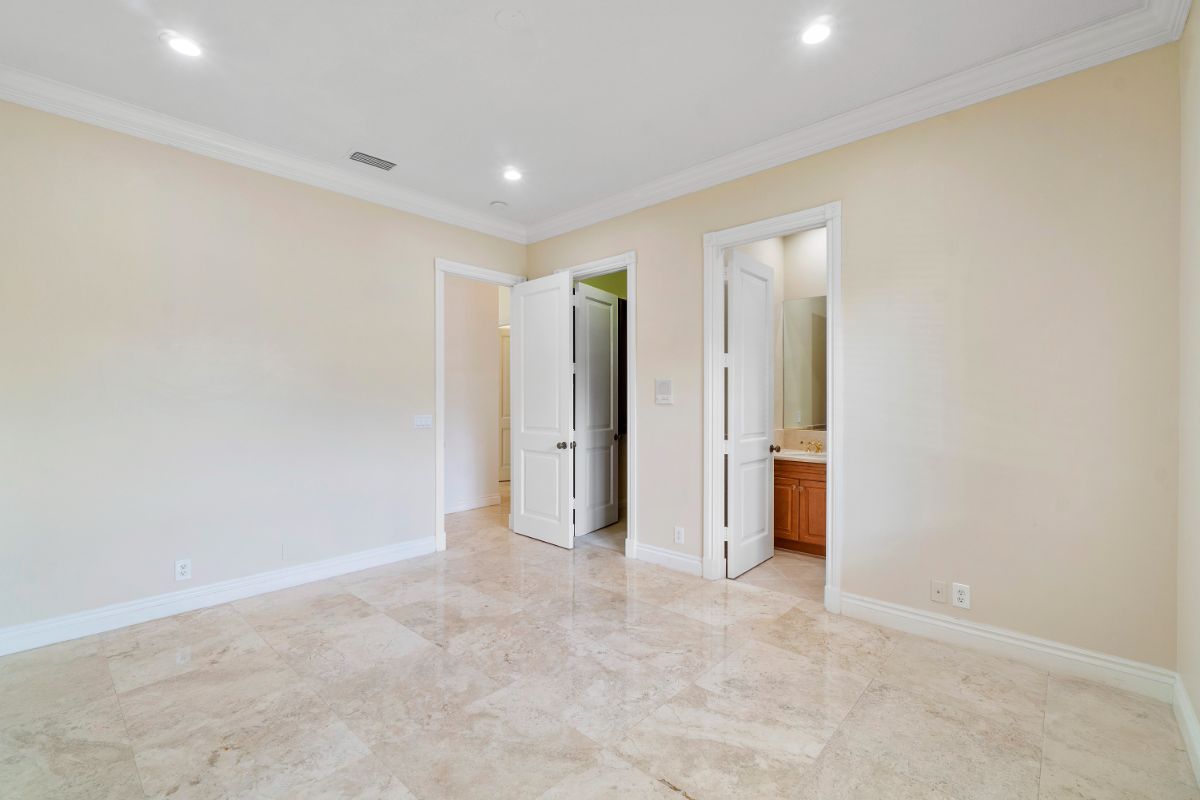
x=678, y=535
x=183, y=569
x=937, y=591
x=961, y=596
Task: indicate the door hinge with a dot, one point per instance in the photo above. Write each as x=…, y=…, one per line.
x=725, y=360
x=725, y=447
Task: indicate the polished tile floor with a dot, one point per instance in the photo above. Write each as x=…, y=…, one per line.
x=506, y=668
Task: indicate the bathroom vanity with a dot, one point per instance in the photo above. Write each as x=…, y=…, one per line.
x=800, y=502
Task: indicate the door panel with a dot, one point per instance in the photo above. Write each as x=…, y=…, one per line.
x=505, y=408
x=788, y=509
x=751, y=326
x=596, y=423
x=540, y=349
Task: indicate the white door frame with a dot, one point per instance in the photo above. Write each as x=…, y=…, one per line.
x=443, y=267
x=603, y=266
x=828, y=216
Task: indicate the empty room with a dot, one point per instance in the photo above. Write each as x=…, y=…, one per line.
x=428, y=400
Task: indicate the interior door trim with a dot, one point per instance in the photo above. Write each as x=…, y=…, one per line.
x=828, y=216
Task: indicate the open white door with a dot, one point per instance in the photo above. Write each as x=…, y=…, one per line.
x=595, y=408
x=540, y=345
x=751, y=471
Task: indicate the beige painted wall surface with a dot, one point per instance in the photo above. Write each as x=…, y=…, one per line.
x=1011, y=345
x=1189, y=360
x=472, y=392
x=202, y=361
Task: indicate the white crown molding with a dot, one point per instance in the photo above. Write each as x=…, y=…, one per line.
x=44, y=94
x=108, y=618
x=1132, y=676
x=1157, y=22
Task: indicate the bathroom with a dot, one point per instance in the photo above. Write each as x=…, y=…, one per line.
x=799, y=264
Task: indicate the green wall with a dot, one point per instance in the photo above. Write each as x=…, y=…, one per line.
x=612, y=282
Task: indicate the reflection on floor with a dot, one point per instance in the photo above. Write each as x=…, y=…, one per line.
x=612, y=537
x=790, y=573
x=508, y=668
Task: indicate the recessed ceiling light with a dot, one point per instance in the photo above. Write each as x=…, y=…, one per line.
x=498, y=204
x=512, y=174
x=817, y=32
x=181, y=44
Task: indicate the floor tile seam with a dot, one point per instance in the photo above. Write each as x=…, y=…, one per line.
x=1042, y=755
x=989, y=721
x=125, y=725
x=307, y=687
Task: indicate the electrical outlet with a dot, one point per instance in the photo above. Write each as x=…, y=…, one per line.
x=183, y=569
x=937, y=591
x=678, y=535
x=962, y=595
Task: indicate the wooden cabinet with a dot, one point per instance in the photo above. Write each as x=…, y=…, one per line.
x=800, y=506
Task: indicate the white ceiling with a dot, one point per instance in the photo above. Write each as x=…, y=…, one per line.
x=605, y=106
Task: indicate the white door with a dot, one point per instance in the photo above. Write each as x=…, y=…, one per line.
x=541, y=409
x=595, y=408
x=505, y=409
x=750, y=482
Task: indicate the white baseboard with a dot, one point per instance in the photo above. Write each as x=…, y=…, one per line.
x=16, y=638
x=470, y=503
x=1189, y=724
x=1133, y=676
x=665, y=558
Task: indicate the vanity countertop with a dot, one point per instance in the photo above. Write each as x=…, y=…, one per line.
x=802, y=455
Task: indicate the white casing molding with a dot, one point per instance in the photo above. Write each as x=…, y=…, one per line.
x=441, y=268
x=603, y=266
x=663, y=557
x=1157, y=22
x=828, y=216
x=107, y=618
x=44, y=94
x=472, y=503
x=1189, y=724
x=1133, y=676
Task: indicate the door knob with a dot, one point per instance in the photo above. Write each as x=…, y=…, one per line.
x=775, y=448
x=563, y=445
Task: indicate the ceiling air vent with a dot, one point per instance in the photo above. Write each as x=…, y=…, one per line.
x=372, y=161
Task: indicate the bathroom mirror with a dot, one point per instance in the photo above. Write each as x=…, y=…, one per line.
x=804, y=363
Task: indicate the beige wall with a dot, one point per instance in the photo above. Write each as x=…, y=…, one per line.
x=1189, y=360
x=472, y=393
x=807, y=273
x=202, y=361
x=1011, y=400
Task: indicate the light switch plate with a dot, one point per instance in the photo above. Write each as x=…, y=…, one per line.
x=423, y=421
x=664, y=393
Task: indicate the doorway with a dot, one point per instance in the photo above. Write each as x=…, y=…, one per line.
x=568, y=434
x=754, y=409
x=470, y=308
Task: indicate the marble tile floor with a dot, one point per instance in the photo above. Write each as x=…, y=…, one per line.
x=611, y=537
x=506, y=668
